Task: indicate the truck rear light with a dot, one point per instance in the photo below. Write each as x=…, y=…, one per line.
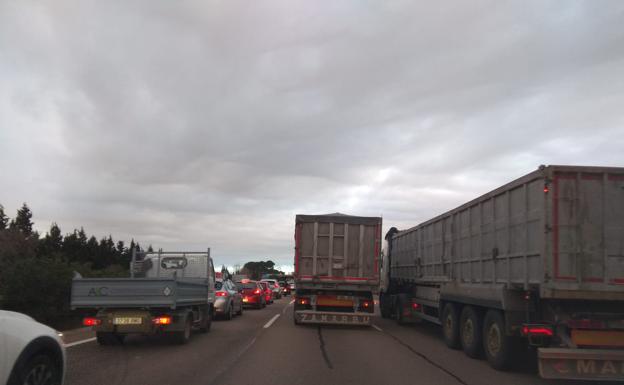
x=537, y=330
x=91, y=321
x=366, y=304
x=303, y=301
x=222, y=294
x=586, y=324
x=415, y=306
x=162, y=320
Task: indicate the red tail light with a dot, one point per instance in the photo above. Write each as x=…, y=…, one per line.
x=537, y=330
x=257, y=291
x=366, y=304
x=303, y=301
x=162, y=320
x=222, y=294
x=91, y=321
x=415, y=306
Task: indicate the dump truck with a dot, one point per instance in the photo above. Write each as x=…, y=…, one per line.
x=168, y=293
x=538, y=261
x=336, y=268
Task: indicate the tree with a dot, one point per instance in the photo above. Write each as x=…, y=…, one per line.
x=257, y=269
x=52, y=242
x=4, y=220
x=23, y=221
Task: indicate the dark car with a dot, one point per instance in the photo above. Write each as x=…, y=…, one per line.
x=253, y=294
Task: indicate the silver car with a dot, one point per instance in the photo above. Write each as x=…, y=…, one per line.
x=229, y=301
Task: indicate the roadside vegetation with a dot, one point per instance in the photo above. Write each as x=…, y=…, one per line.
x=36, y=271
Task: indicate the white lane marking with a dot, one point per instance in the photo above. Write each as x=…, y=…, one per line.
x=291, y=302
x=268, y=324
x=377, y=328
x=79, y=342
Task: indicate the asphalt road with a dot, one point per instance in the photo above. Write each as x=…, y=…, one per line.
x=251, y=350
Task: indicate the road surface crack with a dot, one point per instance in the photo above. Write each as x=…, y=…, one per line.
x=323, y=350
x=424, y=357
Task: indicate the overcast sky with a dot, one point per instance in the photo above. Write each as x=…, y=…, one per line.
x=188, y=124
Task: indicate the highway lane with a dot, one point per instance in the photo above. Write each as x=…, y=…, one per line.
x=265, y=347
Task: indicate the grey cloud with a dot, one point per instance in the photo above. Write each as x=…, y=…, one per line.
x=193, y=124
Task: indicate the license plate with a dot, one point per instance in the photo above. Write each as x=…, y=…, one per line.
x=127, y=321
x=335, y=301
x=335, y=319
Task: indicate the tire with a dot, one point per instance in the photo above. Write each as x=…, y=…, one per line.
x=230, y=312
x=184, y=336
x=105, y=338
x=295, y=318
x=499, y=348
x=470, y=332
x=450, y=326
x=386, y=312
x=40, y=369
x=206, y=322
x=398, y=312
x=240, y=310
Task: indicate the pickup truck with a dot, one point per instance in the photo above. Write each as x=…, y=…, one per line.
x=168, y=293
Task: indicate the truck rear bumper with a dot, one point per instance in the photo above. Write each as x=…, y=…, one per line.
x=333, y=318
x=581, y=364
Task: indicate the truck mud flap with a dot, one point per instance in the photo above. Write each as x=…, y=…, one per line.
x=581, y=364
x=333, y=318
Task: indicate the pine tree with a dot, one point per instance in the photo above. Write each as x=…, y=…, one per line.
x=4, y=220
x=23, y=221
x=52, y=242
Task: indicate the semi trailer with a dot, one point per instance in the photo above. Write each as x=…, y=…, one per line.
x=336, y=268
x=537, y=262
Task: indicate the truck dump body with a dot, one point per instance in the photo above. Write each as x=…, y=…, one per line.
x=560, y=228
x=336, y=268
x=337, y=248
x=539, y=259
x=140, y=292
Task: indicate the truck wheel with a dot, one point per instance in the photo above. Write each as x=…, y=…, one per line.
x=470, y=331
x=295, y=318
x=206, y=322
x=450, y=326
x=185, y=335
x=104, y=338
x=399, y=312
x=498, y=346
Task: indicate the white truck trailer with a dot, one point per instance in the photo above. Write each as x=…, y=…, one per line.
x=336, y=268
x=539, y=260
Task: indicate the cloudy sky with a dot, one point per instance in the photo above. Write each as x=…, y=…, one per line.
x=188, y=124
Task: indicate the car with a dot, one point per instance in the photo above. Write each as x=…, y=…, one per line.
x=228, y=299
x=268, y=292
x=253, y=294
x=274, y=286
x=30, y=352
x=285, y=288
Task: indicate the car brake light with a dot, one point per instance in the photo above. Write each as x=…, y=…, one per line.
x=162, y=320
x=537, y=330
x=91, y=321
x=303, y=301
x=222, y=294
x=257, y=291
x=415, y=305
